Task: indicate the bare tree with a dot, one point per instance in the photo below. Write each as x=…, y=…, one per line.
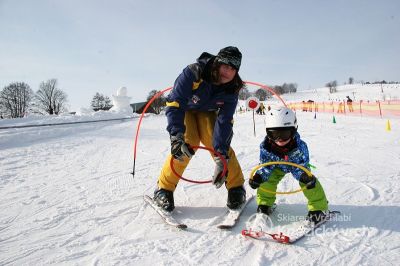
x=278, y=89
x=244, y=93
x=158, y=103
x=101, y=102
x=289, y=87
x=285, y=88
x=50, y=99
x=332, y=86
x=262, y=94
x=2, y=110
x=15, y=99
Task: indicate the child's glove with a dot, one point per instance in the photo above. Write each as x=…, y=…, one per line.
x=310, y=181
x=255, y=181
x=179, y=148
x=218, y=179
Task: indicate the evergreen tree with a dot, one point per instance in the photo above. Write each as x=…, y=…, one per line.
x=100, y=102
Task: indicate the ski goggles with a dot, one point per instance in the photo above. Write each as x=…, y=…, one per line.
x=280, y=133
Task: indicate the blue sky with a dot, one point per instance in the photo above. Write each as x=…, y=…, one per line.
x=98, y=46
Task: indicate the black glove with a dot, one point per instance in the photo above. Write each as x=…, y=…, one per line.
x=179, y=148
x=310, y=181
x=218, y=179
x=255, y=181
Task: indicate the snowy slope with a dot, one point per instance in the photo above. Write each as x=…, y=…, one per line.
x=67, y=196
x=357, y=92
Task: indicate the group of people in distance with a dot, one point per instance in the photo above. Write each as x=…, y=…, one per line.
x=310, y=105
x=200, y=108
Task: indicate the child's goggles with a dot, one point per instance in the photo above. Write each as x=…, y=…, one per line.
x=280, y=133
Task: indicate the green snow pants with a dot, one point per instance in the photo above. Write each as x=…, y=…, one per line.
x=315, y=196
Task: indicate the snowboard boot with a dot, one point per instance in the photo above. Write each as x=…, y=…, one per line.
x=316, y=216
x=164, y=199
x=236, y=197
x=264, y=209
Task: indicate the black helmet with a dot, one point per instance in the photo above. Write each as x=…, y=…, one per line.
x=230, y=56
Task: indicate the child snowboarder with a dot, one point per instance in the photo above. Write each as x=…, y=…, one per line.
x=283, y=143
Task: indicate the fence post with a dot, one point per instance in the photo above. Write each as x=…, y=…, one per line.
x=380, y=110
x=344, y=106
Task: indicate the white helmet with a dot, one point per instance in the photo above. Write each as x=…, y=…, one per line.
x=279, y=117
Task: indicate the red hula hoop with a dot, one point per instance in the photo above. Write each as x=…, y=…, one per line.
x=141, y=117
x=171, y=163
x=265, y=87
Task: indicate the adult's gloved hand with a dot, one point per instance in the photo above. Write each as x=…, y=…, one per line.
x=218, y=179
x=255, y=181
x=179, y=148
x=310, y=181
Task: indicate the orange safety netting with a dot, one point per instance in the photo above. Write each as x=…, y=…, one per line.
x=368, y=108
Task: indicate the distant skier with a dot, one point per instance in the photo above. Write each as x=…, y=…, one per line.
x=304, y=106
x=261, y=109
x=283, y=143
x=340, y=107
x=200, y=108
x=349, y=104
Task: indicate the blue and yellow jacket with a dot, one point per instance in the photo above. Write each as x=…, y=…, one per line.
x=192, y=92
x=297, y=154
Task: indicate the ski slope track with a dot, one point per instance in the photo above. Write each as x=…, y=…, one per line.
x=68, y=198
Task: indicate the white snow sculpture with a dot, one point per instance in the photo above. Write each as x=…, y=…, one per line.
x=121, y=101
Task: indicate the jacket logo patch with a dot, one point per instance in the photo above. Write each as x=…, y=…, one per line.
x=195, y=99
x=296, y=153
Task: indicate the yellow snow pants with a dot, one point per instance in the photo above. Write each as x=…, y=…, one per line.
x=199, y=128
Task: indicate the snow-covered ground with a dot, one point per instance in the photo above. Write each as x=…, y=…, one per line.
x=68, y=198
